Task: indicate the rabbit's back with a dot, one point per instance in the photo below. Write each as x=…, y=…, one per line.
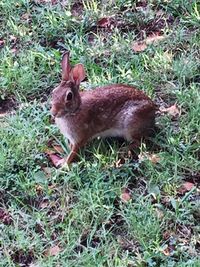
x=117, y=92
x=111, y=99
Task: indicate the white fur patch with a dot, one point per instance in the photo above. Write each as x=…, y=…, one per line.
x=66, y=130
x=112, y=132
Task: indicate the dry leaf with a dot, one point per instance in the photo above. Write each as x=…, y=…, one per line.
x=44, y=204
x=34, y=264
x=166, y=235
x=53, y=186
x=159, y=213
x=168, y=57
x=154, y=38
x=125, y=196
x=13, y=38
x=142, y=156
x=2, y=42
x=174, y=110
x=56, y=160
x=39, y=189
x=166, y=251
x=53, y=148
x=77, y=9
x=49, y=151
x=53, y=251
x=154, y=158
x=120, y=162
x=5, y=217
x=139, y=46
x=26, y=16
x=159, y=13
x=58, y=149
x=14, y=50
x=142, y=45
x=187, y=186
x=104, y=22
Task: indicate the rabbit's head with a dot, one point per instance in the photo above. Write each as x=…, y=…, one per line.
x=66, y=98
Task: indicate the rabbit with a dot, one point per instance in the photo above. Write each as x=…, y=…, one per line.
x=116, y=110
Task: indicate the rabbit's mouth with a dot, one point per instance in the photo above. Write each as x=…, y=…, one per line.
x=57, y=114
x=65, y=112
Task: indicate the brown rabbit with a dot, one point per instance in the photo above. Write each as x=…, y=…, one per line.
x=109, y=111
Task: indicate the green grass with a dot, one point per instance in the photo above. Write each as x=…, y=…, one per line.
x=80, y=209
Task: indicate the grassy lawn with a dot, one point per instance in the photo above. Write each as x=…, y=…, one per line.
x=112, y=208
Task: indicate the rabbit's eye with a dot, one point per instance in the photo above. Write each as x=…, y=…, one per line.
x=69, y=96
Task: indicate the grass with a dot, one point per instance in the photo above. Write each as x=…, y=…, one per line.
x=82, y=210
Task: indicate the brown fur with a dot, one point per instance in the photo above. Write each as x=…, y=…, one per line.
x=113, y=110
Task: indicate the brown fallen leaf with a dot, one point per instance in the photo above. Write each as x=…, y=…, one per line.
x=34, y=264
x=159, y=213
x=174, y=110
x=53, y=251
x=119, y=163
x=58, y=149
x=13, y=39
x=154, y=158
x=187, y=186
x=52, y=153
x=154, y=38
x=159, y=13
x=5, y=217
x=39, y=189
x=26, y=16
x=125, y=196
x=139, y=46
x=151, y=39
x=49, y=151
x=44, y=204
x=166, y=235
x=56, y=160
x=52, y=186
x=2, y=42
x=166, y=251
x=14, y=50
x=77, y=9
x=53, y=147
x=104, y=22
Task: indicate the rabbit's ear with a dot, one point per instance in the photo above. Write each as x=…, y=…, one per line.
x=78, y=74
x=65, y=66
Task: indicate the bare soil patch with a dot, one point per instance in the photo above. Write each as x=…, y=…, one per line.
x=7, y=106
